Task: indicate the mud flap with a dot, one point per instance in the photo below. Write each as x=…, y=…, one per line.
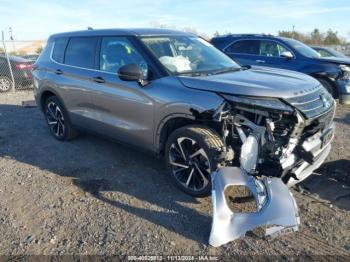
x=275, y=207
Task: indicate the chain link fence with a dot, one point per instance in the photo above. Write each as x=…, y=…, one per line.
x=16, y=60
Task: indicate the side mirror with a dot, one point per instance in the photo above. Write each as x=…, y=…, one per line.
x=287, y=54
x=130, y=72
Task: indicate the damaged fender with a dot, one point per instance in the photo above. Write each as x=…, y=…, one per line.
x=275, y=206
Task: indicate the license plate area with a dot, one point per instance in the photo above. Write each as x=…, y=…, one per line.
x=326, y=137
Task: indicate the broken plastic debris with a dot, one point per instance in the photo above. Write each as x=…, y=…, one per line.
x=275, y=207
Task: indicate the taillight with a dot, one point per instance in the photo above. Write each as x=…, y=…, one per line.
x=24, y=66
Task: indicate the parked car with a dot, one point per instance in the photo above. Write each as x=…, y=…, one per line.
x=287, y=53
x=21, y=69
x=176, y=95
x=32, y=57
x=329, y=52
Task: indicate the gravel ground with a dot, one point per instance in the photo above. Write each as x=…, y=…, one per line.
x=93, y=196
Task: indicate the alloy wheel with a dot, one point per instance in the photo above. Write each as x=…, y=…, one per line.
x=5, y=84
x=55, y=119
x=189, y=163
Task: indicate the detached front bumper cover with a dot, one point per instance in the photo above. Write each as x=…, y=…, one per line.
x=276, y=207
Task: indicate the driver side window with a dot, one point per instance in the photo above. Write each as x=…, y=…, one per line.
x=117, y=52
x=271, y=48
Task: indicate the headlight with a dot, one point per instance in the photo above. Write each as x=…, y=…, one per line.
x=270, y=103
x=345, y=72
x=249, y=153
x=344, y=68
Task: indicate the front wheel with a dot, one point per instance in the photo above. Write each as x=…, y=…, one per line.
x=191, y=155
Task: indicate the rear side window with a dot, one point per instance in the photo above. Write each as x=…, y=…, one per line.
x=81, y=52
x=251, y=47
x=58, y=49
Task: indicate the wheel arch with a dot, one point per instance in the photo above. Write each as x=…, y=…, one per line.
x=329, y=81
x=168, y=125
x=45, y=94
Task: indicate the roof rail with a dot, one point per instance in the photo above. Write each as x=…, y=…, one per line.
x=240, y=35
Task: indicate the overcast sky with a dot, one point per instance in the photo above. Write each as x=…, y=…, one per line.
x=38, y=19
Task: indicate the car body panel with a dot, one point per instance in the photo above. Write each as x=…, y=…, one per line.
x=257, y=80
x=136, y=112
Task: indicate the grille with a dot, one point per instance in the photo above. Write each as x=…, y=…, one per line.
x=313, y=104
x=320, y=123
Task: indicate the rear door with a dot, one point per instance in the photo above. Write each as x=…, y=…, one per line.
x=245, y=52
x=74, y=62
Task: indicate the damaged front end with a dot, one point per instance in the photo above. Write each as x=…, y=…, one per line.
x=270, y=144
x=287, y=139
x=275, y=206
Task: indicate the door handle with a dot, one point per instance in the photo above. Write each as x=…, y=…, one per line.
x=98, y=79
x=260, y=61
x=58, y=72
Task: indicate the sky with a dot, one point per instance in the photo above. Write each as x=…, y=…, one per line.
x=34, y=19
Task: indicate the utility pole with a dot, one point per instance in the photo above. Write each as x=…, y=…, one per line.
x=12, y=38
x=8, y=60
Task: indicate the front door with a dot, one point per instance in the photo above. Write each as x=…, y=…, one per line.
x=123, y=109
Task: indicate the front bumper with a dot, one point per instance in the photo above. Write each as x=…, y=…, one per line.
x=344, y=91
x=344, y=99
x=276, y=206
x=319, y=148
x=306, y=169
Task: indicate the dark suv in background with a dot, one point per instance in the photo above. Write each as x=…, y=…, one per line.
x=287, y=53
x=178, y=96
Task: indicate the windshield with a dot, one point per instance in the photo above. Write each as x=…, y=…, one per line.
x=303, y=49
x=189, y=55
x=335, y=53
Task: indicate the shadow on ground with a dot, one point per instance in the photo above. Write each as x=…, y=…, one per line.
x=344, y=119
x=96, y=165
x=331, y=182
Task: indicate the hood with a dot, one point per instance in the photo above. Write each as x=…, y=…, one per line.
x=336, y=60
x=257, y=81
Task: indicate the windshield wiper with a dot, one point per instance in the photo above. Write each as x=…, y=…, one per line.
x=199, y=73
x=226, y=70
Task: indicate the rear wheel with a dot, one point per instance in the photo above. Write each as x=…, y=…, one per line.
x=57, y=119
x=5, y=84
x=326, y=84
x=191, y=156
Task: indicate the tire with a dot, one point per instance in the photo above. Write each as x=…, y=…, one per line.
x=5, y=84
x=191, y=154
x=326, y=84
x=57, y=120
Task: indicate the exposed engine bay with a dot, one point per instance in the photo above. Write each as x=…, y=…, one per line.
x=268, y=138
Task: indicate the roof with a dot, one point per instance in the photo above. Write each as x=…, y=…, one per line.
x=246, y=36
x=15, y=58
x=126, y=31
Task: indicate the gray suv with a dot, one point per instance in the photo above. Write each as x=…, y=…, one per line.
x=177, y=96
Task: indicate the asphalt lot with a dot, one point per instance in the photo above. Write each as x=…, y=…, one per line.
x=94, y=196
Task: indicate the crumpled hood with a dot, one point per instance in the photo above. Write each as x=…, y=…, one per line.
x=257, y=81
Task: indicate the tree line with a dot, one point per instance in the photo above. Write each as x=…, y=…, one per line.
x=316, y=37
